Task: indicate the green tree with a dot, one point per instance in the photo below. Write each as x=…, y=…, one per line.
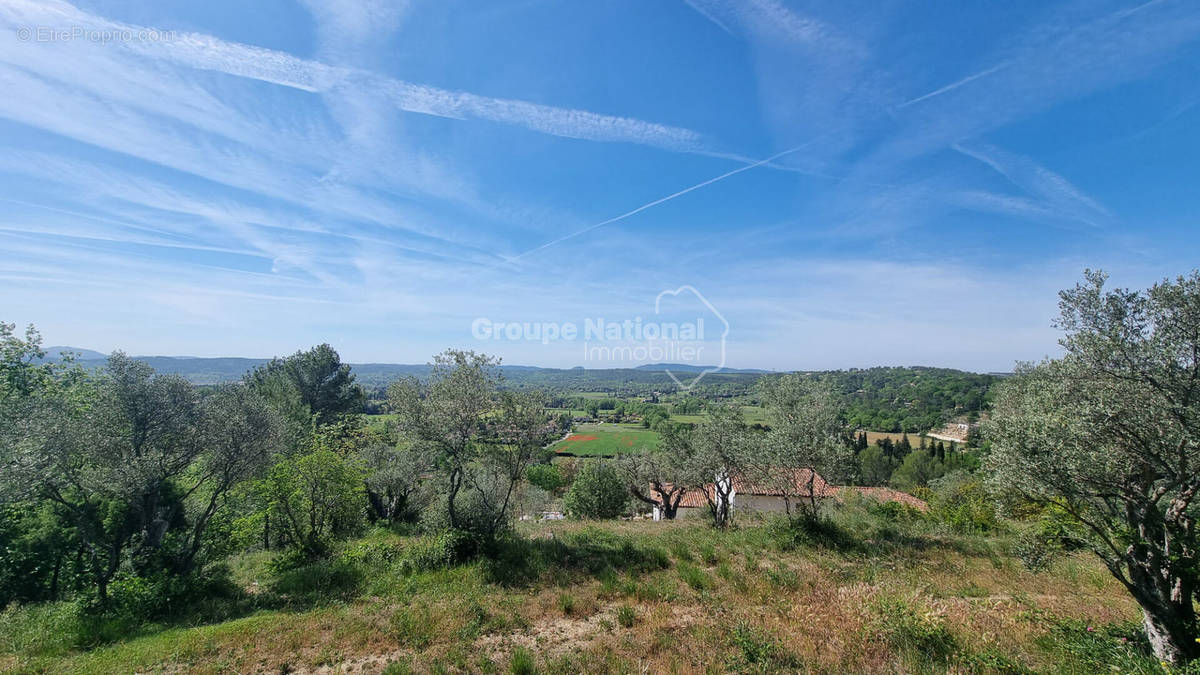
x=722, y=450
x=315, y=499
x=482, y=442
x=135, y=464
x=396, y=485
x=807, y=437
x=598, y=492
x=660, y=477
x=1110, y=433
x=875, y=467
x=313, y=382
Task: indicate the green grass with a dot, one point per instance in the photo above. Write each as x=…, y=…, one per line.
x=607, y=440
x=378, y=421
x=639, y=596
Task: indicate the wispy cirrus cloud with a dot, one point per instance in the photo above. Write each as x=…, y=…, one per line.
x=207, y=52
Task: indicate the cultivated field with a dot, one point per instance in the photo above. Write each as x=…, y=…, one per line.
x=606, y=440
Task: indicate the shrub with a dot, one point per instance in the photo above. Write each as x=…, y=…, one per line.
x=626, y=616
x=373, y=553
x=315, y=499
x=598, y=492
x=962, y=504
x=694, y=577
x=547, y=477
x=903, y=627
x=1035, y=551
x=444, y=549
x=521, y=662
x=760, y=650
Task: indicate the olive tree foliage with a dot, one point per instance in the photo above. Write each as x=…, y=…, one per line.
x=661, y=477
x=517, y=432
x=1110, y=434
x=807, y=437
x=722, y=451
x=481, y=442
x=396, y=485
x=137, y=464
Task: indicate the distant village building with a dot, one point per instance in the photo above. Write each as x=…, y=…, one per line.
x=955, y=432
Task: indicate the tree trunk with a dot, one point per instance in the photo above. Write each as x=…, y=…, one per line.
x=1169, y=617
x=1166, y=599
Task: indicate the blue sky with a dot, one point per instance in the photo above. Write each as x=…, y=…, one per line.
x=874, y=182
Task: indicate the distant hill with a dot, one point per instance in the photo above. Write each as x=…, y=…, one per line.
x=55, y=353
x=880, y=399
x=688, y=368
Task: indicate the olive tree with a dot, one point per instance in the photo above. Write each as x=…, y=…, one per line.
x=396, y=484
x=481, y=442
x=135, y=463
x=807, y=438
x=661, y=476
x=722, y=451
x=1110, y=434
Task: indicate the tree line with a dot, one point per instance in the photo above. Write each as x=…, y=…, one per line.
x=127, y=487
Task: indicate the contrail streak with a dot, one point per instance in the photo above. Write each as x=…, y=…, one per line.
x=656, y=202
x=954, y=85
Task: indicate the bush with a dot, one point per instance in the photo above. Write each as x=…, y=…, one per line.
x=373, y=553
x=599, y=492
x=547, y=477
x=1035, y=551
x=962, y=504
x=626, y=616
x=760, y=651
x=444, y=549
x=315, y=499
x=903, y=627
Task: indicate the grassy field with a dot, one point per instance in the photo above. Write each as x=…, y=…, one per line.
x=634, y=597
x=378, y=421
x=606, y=440
x=873, y=436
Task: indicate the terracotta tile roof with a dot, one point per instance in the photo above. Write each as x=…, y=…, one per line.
x=693, y=498
x=798, y=478
x=883, y=494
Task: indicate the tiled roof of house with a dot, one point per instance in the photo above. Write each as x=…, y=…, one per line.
x=799, y=481
x=883, y=494
x=694, y=498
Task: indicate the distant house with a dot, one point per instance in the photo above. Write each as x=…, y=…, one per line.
x=753, y=497
x=955, y=432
